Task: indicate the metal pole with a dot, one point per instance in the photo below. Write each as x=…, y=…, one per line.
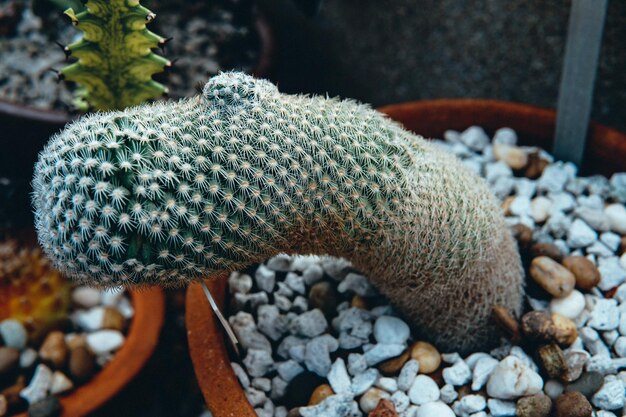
x=582, y=49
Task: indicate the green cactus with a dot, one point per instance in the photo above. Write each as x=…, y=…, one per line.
x=115, y=59
x=168, y=192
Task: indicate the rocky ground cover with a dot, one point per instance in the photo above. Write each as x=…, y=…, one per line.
x=319, y=340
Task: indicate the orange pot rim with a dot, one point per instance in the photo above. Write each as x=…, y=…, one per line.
x=141, y=341
x=219, y=385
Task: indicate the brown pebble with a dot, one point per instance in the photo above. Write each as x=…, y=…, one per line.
x=572, y=404
x=565, y=330
x=385, y=408
x=9, y=360
x=12, y=393
x=113, y=319
x=557, y=280
x=586, y=274
x=553, y=360
x=54, y=350
x=546, y=249
x=359, y=302
x=392, y=366
x=4, y=406
x=294, y=412
x=48, y=407
x=506, y=205
x=538, y=325
x=523, y=234
x=82, y=364
x=427, y=355
x=323, y=295
x=320, y=393
x=77, y=340
x=506, y=322
x=535, y=166
x=537, y=405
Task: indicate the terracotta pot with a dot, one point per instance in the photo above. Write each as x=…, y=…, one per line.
x=606, y=153
x=25, y=130
x=141, y=340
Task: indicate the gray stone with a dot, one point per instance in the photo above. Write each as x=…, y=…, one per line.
x=241, y=375
x=500, y=408
x=407, y=374
x=258, y=362
x=338, y=377
x=364, y=381
x=339, y=405
x=381, y=352
x=611, y=272
x=469, y=404
x=423, y=390
x=245, y=329
x=610, y=396
x=239, y=282
x=295, y=282
x=505, y=136
x=391, y=330
x=255, y=397
x=254, y=300
x=599, y=249
x=580, y=235
x=562, y=201
x=357, y=283
x=265, y=278
x=555, y=176
x=356, y=364
x=605, y=315
x=317, y=354
x=280, y=263
x=13, y=333
x=558, y=224
x=400, y=401
x=475, y=138
x=611, y=240
x=387, y=383
x=279, y=387
x=482, y=371
x=594, y=218
x=497, y=170
x=287, y=343
x=264, y=384
x=312, y=274
x=288, y=369
x=448, y=394
x=311, y=323
x=271, y=322
x=618, y=187
x=458, y=374
x=300, y=304
x=39, y=385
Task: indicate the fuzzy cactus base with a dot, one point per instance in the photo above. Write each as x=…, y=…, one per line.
x=168, y=192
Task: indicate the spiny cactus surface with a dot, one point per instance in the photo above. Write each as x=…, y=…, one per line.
x=31, y=291
x=168, y=192
x=115, y=59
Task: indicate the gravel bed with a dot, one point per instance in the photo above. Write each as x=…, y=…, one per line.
x=320, y=341
x=207, y=37
x=38, y=364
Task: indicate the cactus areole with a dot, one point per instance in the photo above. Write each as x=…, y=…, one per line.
x=169, y=192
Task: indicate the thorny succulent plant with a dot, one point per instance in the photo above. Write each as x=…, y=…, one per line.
x=168, y=192
x=31, y=291
x=115, y=60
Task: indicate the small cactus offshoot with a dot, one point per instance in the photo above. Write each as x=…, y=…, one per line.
x=31, y=290
x=115, y=59
x=168, y=192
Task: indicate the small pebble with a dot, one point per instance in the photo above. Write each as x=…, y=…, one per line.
x=39, y=385
x=572, y=404
x=60, y=383
x=512, y=379
x=364, y=381
x=458, y=374
x=423, y=390
x=469, y=404
x=407, y=374
x=588, y=384
x=357, y=283
x=552, y=277
x=105, y=341
x=610, y=396
x=381, y=352
x=392, y=366
x=81, y=364
x=86, y=297
x=427, y=355
x=46, y=407
x=54, y=350
x=371, y=398
x=586, y=274
x=338, y=377
x=13, y=333
x=435, y=409
x=580, y=235
x=570, y=306
x=391, y=330
x=553, y=388
x=537, y=405
x=320, y=393
x=616, y=214
x=9, y=360
x=385, y=408
x=499, y=408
